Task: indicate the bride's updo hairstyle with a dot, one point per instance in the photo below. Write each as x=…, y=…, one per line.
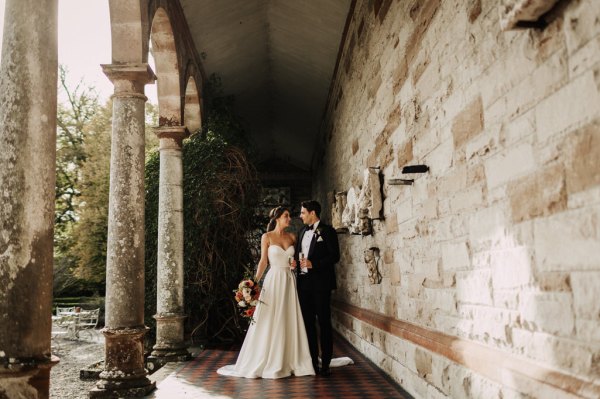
x=274, y=215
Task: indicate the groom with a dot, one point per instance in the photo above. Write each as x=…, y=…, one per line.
x=316, y=278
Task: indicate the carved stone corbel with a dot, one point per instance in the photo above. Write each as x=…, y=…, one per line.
x=372, y=260
x=337, y=211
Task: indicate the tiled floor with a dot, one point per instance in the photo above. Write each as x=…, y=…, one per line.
x=198, y=379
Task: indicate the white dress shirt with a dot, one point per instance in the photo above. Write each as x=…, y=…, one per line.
x=306, y=240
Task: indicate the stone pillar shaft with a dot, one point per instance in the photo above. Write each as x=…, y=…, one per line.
x=170, y=344
x=124, y=373
x=28, y=78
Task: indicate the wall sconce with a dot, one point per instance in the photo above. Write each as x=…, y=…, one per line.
x=415, y=169
x=408, y=169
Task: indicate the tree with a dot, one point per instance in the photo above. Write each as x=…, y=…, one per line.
x=72, y=117
x=89, y=250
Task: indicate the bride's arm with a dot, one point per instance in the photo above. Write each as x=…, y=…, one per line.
x=262, y=264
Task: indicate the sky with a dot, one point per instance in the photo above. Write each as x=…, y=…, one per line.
x=84, y=43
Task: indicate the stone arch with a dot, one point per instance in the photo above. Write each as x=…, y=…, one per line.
x=129, y=31
x=192, y=114
x=164, y=51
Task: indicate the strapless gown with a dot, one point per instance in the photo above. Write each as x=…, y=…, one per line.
x=275, y=345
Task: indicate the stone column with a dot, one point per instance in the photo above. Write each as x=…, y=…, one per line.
x=28, y=78
x=124, y=374
x=170, y=344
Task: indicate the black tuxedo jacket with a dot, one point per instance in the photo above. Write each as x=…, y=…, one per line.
x=324, y=253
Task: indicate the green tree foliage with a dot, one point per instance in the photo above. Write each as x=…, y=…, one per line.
x=91, y=230
x=73, y=115
x=89, y=249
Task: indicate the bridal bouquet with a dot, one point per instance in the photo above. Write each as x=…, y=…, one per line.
x=246, y=296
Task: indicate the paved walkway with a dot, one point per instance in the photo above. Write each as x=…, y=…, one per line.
x=198, y=379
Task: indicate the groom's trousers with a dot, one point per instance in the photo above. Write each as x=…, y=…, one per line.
x=317, y=305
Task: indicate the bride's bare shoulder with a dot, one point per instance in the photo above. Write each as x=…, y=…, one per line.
x=266, y=238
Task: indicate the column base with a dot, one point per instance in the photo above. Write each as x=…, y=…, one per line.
x=124, y=390
x=170, y=345
x=27, y=378
x=124, y=374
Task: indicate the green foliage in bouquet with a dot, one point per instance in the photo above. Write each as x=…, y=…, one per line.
x=221, y=191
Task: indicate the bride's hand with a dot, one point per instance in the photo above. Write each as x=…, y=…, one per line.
x=293, y=264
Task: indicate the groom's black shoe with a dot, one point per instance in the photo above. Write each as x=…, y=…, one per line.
x=325, y=372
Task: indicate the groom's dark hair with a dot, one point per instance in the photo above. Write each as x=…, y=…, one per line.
x=312, y=205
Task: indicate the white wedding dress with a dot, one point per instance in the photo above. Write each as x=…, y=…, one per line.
x=275, y=345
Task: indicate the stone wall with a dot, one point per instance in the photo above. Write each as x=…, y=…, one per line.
x=491, y=260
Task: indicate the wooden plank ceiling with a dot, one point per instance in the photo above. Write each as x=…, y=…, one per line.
x=277, y=58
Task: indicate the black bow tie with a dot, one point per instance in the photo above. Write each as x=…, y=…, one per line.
x=312, y=226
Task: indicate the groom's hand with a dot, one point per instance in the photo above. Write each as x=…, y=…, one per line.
x=306, y=263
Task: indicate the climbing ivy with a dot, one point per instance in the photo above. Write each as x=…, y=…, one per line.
x=220, y=194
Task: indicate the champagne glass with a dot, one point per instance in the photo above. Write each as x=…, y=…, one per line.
x=301, y=258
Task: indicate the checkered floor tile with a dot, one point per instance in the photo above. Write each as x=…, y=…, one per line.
x=198, y=379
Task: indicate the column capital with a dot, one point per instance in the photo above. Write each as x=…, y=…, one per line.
x=171, y=136
x=129, y=79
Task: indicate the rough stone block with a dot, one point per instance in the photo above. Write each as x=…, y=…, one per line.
x=474, y=287
x=388, y=256
x=518, y=129
x=585, y=57
x=553, y=281
x=550, y=312
x=455, y=256
x=391, y=223
x=468, y=200
x=423, y=363
x=547, y=78
x=587, y=330
x=583, y=171
x=586, y=294
x=452, y=181
x=565, y=241
x=574, y=105
x=395, y=278
x=562, y=353
x=510, y=164
x=404, y=211
x=442, y=299
x=405, y=153
x=468, y=123
x=581, y=24
x=511, y=268
x=482, y=145
x=540, y=194
x=440, y=159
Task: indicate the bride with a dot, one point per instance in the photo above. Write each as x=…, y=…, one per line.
x=276, y=345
